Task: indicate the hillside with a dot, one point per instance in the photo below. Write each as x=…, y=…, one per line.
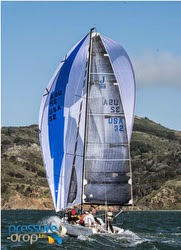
x=156, y=165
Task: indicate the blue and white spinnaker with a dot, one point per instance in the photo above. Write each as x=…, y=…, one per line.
x=85, y=122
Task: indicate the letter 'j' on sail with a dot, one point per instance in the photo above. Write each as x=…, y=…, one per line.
x=86, y=120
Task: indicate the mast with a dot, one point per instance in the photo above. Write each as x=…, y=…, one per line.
x=85, y=130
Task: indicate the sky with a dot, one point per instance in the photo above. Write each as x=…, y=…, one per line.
x=37, y=35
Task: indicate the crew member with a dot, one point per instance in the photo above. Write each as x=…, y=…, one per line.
x=94, y=214
x=109, y=219
x=89, y=220
x=73, y=217
x=81, y=221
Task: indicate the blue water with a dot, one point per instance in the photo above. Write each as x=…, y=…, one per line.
x=143, y=230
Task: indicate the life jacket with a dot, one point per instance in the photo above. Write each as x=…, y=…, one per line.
x=74, y=217
x=109, y=215
x=81, y=221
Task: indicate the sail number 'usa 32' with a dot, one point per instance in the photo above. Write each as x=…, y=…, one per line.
x=117, y=123
x=54, y=105
x=114, y=105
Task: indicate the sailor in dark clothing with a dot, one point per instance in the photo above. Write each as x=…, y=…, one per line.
x=109, y=219
x=73, y=217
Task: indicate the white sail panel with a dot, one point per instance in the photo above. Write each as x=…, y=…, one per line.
x=125, y=76
x=61, y=124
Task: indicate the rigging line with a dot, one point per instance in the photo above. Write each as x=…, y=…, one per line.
x=106, y=208
x=86, y=110
x=47, y=92
x=131, y=177
x=73, y=154
x=109, y=144
x=64, y=58
x=104, y=159
x=102, y=73
x=80, y=96
x=107, y=116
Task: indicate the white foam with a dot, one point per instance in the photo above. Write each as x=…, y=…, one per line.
x=177, y=234
x=85, y=238
x=52, y=220
x=128, y=238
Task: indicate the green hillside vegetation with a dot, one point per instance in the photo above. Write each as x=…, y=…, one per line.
x=156, y=159
x=156, y=165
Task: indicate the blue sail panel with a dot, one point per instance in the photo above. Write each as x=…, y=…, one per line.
x=60, y=116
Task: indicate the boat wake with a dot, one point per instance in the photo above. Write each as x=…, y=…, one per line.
x=52, y=220
x=85, y=238
x=128, y=238
x=125, y=239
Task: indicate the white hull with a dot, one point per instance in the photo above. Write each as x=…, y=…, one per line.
x=78, y=230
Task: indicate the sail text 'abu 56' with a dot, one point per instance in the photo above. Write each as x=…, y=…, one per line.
x=86, y=119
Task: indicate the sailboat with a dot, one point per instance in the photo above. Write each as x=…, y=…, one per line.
x=85, y=124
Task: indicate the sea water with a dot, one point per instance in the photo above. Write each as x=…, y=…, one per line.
x=143, y=230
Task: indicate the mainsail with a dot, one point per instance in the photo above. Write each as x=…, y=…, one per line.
x=85, y=123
